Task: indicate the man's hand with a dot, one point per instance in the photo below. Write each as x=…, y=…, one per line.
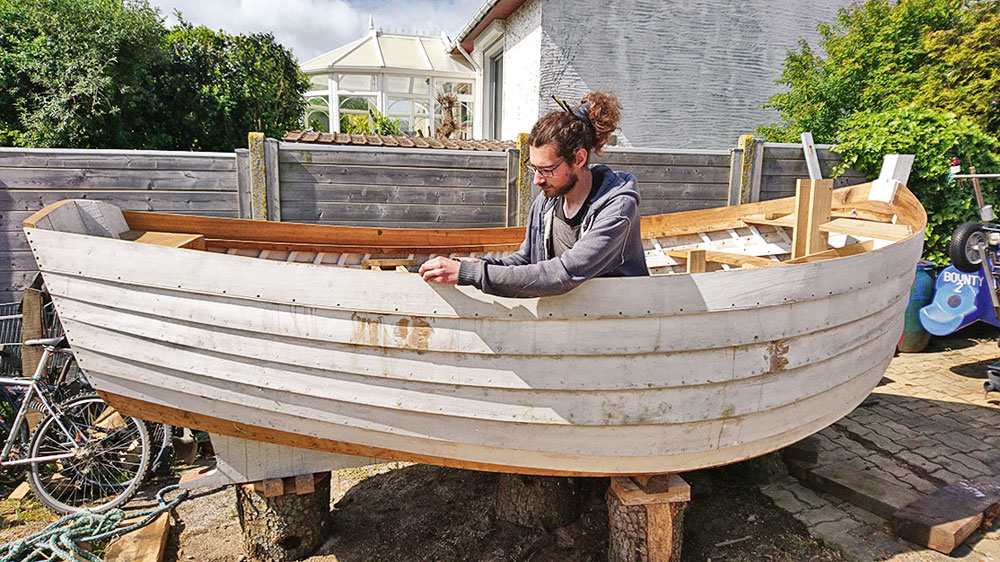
x=440, y=270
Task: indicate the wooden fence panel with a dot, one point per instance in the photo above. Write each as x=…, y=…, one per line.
x=172, y=182
x=785, y=163
x=676, y=180
x=392, y=187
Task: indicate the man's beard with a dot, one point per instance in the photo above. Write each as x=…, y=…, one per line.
x=570, y=184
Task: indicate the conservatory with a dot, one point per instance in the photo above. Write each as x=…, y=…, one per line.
x=396, y=75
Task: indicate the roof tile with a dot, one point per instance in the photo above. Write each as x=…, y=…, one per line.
x=395, y=141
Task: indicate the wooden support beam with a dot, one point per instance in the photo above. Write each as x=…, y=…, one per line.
x=32, y=328
x=864, y=489
x=389, y=263
x=947, y=517
x=849, y=250
x=695, y=261
x=512, y=183
x=813, y=201
x=868, y=229
x=646, y=522
x=272, y=182
x=812, y=161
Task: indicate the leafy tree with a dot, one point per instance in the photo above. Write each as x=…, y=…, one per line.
x=218, y=87
x=106, y=73
x=933, y=137
x=876, y=59
x=68, y=67
x=962, y=73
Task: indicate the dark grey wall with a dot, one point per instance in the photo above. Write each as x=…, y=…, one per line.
x=691, y=74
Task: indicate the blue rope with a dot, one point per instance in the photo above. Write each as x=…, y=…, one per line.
x=58, y=540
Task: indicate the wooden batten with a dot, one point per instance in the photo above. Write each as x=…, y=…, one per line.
x=813, y=201
x=849, y=250
x=172, y=239
x=728, y=258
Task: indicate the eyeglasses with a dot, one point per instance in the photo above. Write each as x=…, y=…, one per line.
x=546, y=172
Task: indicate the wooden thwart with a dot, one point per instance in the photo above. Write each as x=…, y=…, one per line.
x=172, y=239
x=739, y=260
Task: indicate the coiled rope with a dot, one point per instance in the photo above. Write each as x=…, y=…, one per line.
x=58, y=540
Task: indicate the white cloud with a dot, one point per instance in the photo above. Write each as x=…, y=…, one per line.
x=313, y=27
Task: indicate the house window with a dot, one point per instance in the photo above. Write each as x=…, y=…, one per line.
x=495, y=97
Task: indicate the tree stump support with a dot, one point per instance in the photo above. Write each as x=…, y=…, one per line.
x=543, y=502
x=645, y=518
x=284, y=519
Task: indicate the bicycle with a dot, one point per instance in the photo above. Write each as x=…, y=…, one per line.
x=83, y=454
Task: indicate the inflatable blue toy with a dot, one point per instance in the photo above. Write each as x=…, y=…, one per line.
x=959, y=300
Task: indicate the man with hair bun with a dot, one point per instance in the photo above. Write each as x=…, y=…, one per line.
x=583, y=224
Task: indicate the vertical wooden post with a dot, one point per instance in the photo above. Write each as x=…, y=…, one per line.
x=32, y=328
x=271, y=180
x=735, y=173
x=696, y=261
x=812, y=161
x=645, y=519
x=813, y=199
x=750, y=168
x=243, y=183
x=525, y=190
x=513, y=175
x=258, y=183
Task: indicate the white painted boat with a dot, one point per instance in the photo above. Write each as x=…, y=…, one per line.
x=284, y=333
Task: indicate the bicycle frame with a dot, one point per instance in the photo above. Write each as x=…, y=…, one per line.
x=34, y=389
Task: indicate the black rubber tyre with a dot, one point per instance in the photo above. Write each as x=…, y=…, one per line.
x=961, y=249
x=106, y=470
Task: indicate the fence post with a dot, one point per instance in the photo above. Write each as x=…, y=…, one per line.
x=524, y=181
x=751, y=166
x=243, y=198
x=513, y=173
x=258, y=183
x=271, y=180
x=735, y=172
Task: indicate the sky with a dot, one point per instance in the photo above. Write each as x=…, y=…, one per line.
x=312, y=27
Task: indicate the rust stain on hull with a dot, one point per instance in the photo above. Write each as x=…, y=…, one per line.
x=776, y=356
x=413, y=333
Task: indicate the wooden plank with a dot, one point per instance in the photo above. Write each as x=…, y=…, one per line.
x=60, y=178
x=385, y=263
x=812, y=160
x=115, y=159
x=32, y=327
x=172, y=239
x=856, y=227
x=733, y=189
x=849, y=250
x=145, y=544
x=695, y=261
x=947, y=517
x=864, y=489
x=390, y=214
x=511, y=199
x=272, y=180
x=626, y=158
x=727, y=258
x=20, y=492
x=408, y=177
x=140, y=200
x=813, y=201
x=213, y=243
x=305, y=193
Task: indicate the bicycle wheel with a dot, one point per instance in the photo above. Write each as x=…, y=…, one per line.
x=160, y=435
x=104, y=472
x=9, y=405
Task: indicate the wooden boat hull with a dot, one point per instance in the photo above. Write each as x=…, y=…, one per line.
x=620, y=376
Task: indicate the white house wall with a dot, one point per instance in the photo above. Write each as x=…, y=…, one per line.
x=522, y=69
x=691, y=74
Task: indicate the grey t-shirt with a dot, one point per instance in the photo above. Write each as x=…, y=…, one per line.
x=565, y=232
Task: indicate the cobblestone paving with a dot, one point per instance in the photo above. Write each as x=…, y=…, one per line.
x=927, y=425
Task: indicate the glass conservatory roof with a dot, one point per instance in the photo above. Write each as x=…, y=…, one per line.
x=396, y=51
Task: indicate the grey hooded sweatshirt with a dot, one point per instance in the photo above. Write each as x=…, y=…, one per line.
x=609, y=246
